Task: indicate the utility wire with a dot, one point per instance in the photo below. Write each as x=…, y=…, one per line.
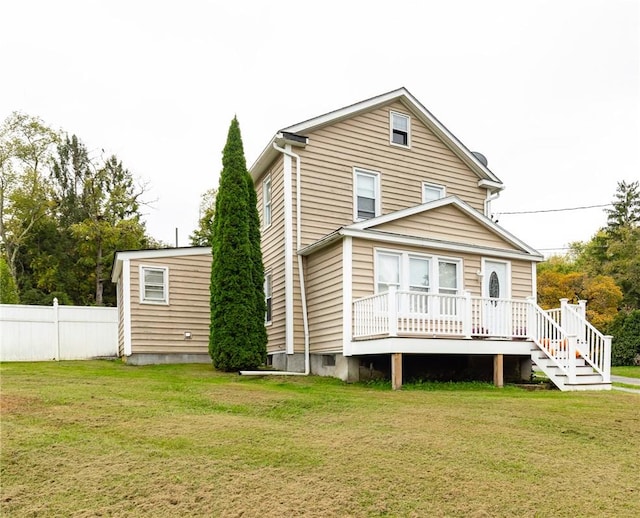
x=555, y=210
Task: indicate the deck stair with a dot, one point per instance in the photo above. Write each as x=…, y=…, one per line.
x=569, y=350
x=586, y=377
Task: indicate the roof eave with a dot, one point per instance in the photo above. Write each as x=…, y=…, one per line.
x=269, y=153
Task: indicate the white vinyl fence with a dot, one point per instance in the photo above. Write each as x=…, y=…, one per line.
x=39, y=333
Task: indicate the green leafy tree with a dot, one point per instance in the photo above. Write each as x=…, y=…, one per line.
x=8, y=288
x=98, y=211
x=203, y=235
x=615, y=250
x=26, y=148
x=602, y=294
x=63, y=214
x=235, y=342
x=625, y=328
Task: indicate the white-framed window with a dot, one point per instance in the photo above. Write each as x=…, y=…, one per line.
x=268, y=295
x=366, y=194
x=266, y=201
x=154, y=284
x=432, y=191
x=408, y=271
x=400, y=129
x=387, y=271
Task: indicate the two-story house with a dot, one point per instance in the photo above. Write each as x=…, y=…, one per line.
x=380, y=253
x=380, y=257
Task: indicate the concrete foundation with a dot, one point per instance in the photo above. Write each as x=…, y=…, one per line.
x=155, y=359
x=345, y=368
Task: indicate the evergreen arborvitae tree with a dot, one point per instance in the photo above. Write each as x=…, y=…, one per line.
x=237, y=338
x=258, y=269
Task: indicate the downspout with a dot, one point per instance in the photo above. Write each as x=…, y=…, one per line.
x=488, y=200
x=303, y=296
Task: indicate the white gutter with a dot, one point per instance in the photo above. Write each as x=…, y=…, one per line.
x=303, y=297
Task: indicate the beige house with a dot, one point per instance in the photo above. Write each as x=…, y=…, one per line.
x=163, y=305
x=380, y=256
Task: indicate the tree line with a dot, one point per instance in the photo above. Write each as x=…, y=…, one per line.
x=63, y=214
x=604, y=271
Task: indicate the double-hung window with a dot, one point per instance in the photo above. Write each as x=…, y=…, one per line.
x=266, y=201
x=366, y=199
x=417, y=273
x=432, y=191
x=154, y=285
x=400, y=129
x=268, y=297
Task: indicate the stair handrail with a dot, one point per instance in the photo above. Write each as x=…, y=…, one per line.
x=552, y=339
x=593, y=346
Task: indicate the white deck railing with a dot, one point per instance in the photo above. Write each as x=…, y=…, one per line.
x=416, y=313
x=563, y=334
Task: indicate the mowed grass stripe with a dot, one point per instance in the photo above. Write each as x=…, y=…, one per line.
x=101, y=438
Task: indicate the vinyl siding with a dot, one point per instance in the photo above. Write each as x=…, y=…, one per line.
x=446, y=223
x=363, y=141
x=324, y=300
x=521, y=282
x=273, y=253
x=157, y=328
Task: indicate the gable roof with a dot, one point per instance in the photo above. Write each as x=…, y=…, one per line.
x=366, y=229
x=293, y=134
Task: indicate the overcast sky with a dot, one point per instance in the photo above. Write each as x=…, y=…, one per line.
x=549, y=91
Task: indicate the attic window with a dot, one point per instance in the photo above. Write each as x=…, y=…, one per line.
x=400, y=129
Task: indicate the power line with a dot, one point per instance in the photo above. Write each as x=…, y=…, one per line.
x=555, y=210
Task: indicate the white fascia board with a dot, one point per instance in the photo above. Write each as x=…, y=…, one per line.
x=348, y=111
x=411, y=103
x=398, y=239
x=450, y=200
x=151, y=254
x=126, y=306
x=492, y=186
x=321, y=243
x=439, y=346
x=403, y=213
x=449, y=138
x=269, y=154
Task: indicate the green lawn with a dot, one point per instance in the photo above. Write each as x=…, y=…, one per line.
x=629, y=372
x=100, y=438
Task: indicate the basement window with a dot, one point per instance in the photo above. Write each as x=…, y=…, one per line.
x=328, y=360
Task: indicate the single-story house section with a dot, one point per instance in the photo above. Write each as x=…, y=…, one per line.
x=163, y=305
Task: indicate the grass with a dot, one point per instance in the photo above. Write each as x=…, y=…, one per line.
x=628, y=371
x=100, y=438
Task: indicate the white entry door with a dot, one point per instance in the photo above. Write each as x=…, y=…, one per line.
x=496, y=284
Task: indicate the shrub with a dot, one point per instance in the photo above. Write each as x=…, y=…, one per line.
x=625, y=329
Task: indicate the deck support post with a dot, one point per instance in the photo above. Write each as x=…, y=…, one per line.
x=498, y=370
x=396, y=371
